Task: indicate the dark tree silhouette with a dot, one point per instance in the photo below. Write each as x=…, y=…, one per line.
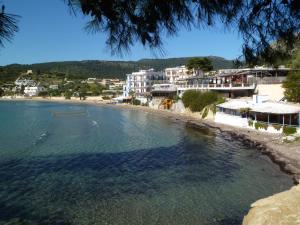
x=8, y=26
x=292, y=87
x=269, y=28
x=203, y=64
x=261, y=23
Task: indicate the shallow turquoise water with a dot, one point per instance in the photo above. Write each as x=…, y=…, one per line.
x=119, y=167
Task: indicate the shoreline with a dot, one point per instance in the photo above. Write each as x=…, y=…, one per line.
x=286, y=156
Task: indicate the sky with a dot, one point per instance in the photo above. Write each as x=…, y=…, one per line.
x=49, y=32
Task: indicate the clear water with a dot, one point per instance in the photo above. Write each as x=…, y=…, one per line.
x=118, y=167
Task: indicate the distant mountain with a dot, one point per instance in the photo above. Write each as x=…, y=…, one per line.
x=101, y=69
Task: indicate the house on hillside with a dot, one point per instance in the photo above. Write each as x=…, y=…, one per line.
x=24, y=82
x=33, y=90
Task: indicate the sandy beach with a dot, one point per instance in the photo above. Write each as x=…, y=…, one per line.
x=286, y=155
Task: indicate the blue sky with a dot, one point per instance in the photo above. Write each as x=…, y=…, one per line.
x=48, y=32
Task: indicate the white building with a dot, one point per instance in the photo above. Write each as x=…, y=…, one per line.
x=53, y=87
x=33, y=91
x=175, y=74
x=116, y=85
x=91, y=80
x=259, y=113
x=142, y=81
x=24, y=82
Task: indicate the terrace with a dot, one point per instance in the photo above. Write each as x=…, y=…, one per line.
x=235, y=79
x=237, y=82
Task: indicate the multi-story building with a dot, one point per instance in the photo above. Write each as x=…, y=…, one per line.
x=175, y=74
x=142, y=81
x=241, y=82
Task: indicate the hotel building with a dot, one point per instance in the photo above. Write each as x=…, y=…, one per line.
x=141, y=82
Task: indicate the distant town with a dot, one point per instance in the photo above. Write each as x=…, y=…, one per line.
x=252, y=97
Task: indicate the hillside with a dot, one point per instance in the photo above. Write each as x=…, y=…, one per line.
x=100, y=69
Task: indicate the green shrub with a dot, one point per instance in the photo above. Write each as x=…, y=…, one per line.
x=54, y=93
x=68, y=95
x=105, y=97
x=43, y=94
x=220, y=100
x=136, y=102
x=265, y=126
x=188, y=97
x=258, y=125
x=205, y=112
x=210, y=97
x=9, y=93
x=197, y=104
x=277, y=126
x=197, y=101
x=176, y=98
x=214, y=108
x=291, y=86
x=244, y=110
x=289, y=130
x=250, y=123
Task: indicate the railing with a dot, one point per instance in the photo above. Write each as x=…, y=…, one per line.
x=164, y=89
x=270, y=80
x=218, y=86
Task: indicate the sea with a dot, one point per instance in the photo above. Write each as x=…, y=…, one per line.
x=65, y=163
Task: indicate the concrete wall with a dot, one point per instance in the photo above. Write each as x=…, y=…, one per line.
x=274, y=91
x=231, y=120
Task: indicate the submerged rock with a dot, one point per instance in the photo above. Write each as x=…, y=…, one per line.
x=282, y=208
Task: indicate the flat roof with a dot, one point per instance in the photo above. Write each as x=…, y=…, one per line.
x=265, y=107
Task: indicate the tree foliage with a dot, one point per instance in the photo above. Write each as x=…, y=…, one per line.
x=260, y=22
x=295, y=59
x=289, y=130
x=8, y=26
x=196, y=101
x=292, y=87
x=198, y=63
x=188, y=97
x=295, y=62
x=68, y=94
x=96, y=68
